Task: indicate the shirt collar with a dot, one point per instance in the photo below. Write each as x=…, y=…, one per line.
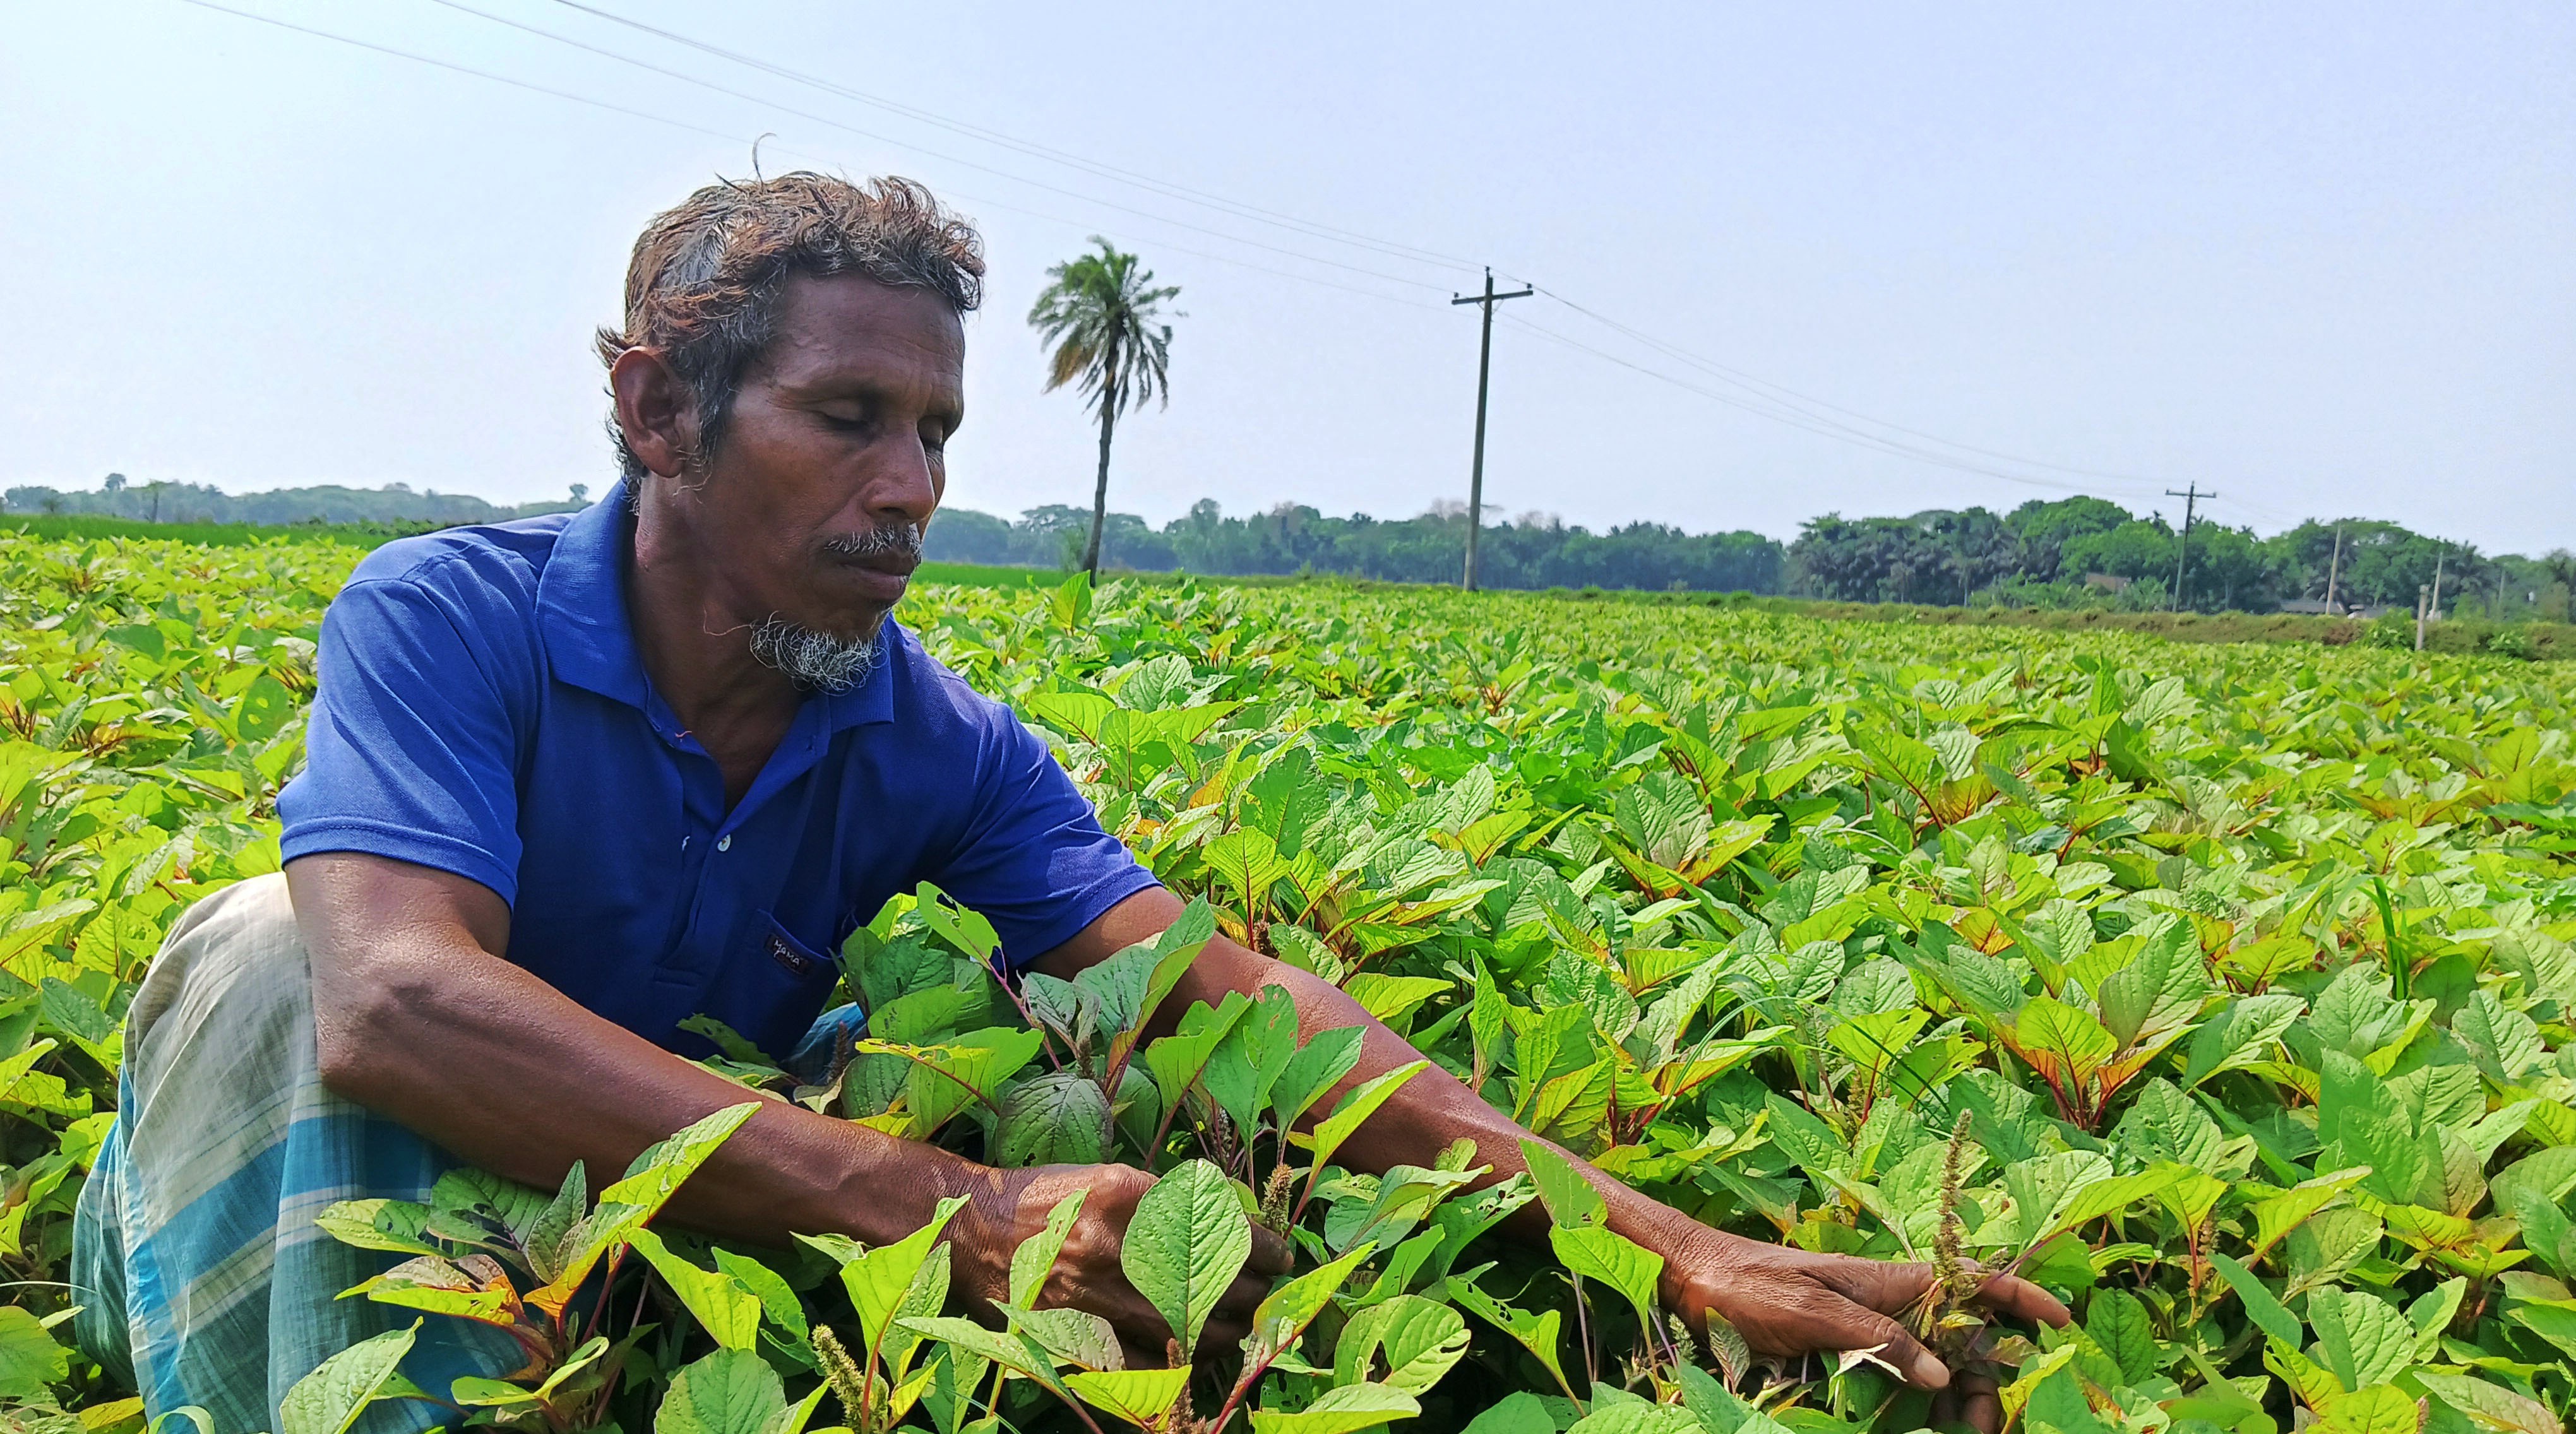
x=590, y=642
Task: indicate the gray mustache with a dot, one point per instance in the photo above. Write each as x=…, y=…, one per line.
x=899, y=539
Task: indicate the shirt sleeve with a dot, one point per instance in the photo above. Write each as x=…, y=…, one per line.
x=1034, y=859
x=410, y=751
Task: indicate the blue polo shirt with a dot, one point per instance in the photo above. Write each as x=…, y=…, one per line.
x=482, y=710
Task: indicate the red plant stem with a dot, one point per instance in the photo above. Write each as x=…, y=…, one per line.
x=1583, y=1332
x=607, y=1281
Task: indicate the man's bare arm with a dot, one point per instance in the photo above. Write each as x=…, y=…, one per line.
x=418, y=1018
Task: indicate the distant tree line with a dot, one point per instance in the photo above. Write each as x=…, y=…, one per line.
x=2076, y=552
x=2066, y=553
x=1533, y=551
x=327, y=503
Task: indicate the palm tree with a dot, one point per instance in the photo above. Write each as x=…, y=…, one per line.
x=1102, y=314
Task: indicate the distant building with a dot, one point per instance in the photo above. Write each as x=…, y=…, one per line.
x=2107, y=582
x=2314, y=607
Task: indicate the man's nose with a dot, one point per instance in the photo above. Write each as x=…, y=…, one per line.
x=906, y=487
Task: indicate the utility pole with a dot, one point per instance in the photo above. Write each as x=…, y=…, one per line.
x=2438, y=559
x=2420, y=590
x=2334, y=567
x=2190, y=496
x=1484, y=372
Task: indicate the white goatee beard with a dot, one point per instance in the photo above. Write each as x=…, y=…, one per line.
x=816, y=661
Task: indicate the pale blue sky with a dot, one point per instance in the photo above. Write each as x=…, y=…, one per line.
x=2316, y=256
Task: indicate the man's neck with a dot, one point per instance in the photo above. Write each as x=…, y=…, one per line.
x=695, y=645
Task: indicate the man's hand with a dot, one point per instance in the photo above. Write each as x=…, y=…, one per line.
x=1787, y=1302
x=1088, y=1274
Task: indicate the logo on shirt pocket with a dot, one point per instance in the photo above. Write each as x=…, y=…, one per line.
x=793, y=956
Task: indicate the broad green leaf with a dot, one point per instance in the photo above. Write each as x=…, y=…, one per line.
x=1284, y=1314
x=440, y=1286
x=1186, y=1242
x=949, y=1077
x=2060, y=1042
x=1524, y=1414
x=727, y=1392
x=1076, y=1337
x=1176, y=1060
x=1624, y=1417
x=1345, y=1410
x=1569, y=1197
x=1248, y=1062
x=2237, y=1035
x=778, y=1302
x=2490, y=1406
x=1356, y=1106
x=2092, y=1199
x=1138, y=1396
x=2119, y=1323
x=1419, y=1339
x=1325, y=1058
x=1035, y=1258
x=1010, y=1351
x=2267, y=1311
x=727, y=1309
x=30, y=1360
x=2365, y=1339
x=2278, y=1215
x=390, y=1225
x=1538, y=1333
x=637, y=1197
x=2380, y=1409
x=880, y=1281
x=331, y=1398
x=1059, y=1118
x=1597, y=1252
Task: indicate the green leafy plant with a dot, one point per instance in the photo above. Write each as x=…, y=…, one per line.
x=2225, y=991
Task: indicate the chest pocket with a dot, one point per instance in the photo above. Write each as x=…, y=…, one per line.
x=773, y=988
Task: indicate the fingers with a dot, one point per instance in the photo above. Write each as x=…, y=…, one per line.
x=1806, y=1317
x=1970, y=1400
x=2015, y=1296
x=1894, y=1288
x=1903, y=1350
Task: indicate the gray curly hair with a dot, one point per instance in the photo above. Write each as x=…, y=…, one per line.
x=704, y=286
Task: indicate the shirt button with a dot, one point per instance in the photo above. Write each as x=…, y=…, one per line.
x=724, y=843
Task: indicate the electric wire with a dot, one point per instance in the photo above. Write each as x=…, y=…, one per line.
x=1760, y=404
x=1792, y=418
x=452, y=66
x=1745, y=380
x=886, y=139
x=1036, y=150
x=732, y=138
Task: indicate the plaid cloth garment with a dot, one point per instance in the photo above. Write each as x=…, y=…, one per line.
x=202, y=1276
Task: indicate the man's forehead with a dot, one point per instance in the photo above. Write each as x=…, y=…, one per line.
x=853, y=314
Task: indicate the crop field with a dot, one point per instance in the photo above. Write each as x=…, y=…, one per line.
x=2224, y=990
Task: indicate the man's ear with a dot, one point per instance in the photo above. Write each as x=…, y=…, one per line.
x=655, y=411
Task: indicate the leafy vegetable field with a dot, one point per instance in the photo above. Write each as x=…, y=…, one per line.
x=2224, y=990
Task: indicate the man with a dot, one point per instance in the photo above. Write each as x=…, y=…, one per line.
x=574, y=780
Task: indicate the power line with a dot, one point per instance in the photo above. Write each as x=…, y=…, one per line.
x=1826, y=428
x=612, y=108
x=1035, y=150
x=1746, y=380
x=462, y=69
x=886, y=139
x=1761, y=404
